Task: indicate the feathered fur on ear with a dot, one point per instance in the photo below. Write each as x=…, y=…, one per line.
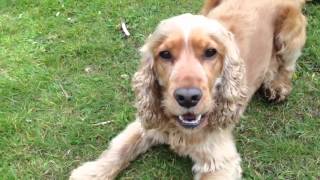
x=233, y=76
x=147, y=91
x=231, y=91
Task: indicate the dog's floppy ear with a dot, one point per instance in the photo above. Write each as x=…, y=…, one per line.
x=147, y=90
x=231, y=88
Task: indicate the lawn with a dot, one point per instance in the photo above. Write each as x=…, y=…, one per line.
x=65, y=72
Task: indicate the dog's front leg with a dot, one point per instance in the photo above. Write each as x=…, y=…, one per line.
x=224, y=174
x=133, y=141
x=218, y=159
x=231, y=170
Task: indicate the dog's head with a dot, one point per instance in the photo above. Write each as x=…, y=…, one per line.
x=187, y=62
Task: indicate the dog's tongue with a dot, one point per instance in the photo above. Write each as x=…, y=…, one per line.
x=189, y=117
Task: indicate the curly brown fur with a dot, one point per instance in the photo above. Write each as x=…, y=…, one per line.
x=231, y=93
x=148, y=96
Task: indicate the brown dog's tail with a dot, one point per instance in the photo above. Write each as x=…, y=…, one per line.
x=303, y=2
x=208, y=5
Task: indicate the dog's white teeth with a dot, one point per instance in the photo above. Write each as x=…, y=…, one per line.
x=190, y=120
x=198, y=117
x=196, y=120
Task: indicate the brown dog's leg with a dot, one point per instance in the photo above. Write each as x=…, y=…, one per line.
x=218, y=159
x=133, y=141
x=219, y=175
x=233, y=172
x=290, y=36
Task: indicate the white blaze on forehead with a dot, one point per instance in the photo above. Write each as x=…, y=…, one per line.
x=186, y=23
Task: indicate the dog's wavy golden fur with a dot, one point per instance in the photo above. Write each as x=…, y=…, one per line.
x=197, y=74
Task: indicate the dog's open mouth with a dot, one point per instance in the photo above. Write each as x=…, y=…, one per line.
x=190, y=120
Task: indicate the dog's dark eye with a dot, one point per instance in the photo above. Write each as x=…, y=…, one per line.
x=209, y=53
x=165, y=55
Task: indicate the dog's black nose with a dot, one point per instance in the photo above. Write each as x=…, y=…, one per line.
x=188, y=97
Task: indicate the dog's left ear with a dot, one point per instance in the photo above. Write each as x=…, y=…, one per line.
x=231, y=88
x=147, y=90
x=233, y=84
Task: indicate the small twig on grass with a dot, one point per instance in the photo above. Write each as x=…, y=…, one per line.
x=125, y=29
x=65, y=93
x=101, y=123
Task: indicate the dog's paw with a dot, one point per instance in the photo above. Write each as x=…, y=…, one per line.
x=89, y=171
x=276, y=92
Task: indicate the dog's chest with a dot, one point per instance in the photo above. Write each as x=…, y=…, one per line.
x=187, y=145
x=207, y=149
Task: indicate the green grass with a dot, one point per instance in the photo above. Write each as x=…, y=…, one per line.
x=47, y=47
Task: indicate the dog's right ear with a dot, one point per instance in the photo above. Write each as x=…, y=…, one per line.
x=147, y=90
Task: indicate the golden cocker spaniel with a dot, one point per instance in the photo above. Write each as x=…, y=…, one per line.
x=197, y=75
